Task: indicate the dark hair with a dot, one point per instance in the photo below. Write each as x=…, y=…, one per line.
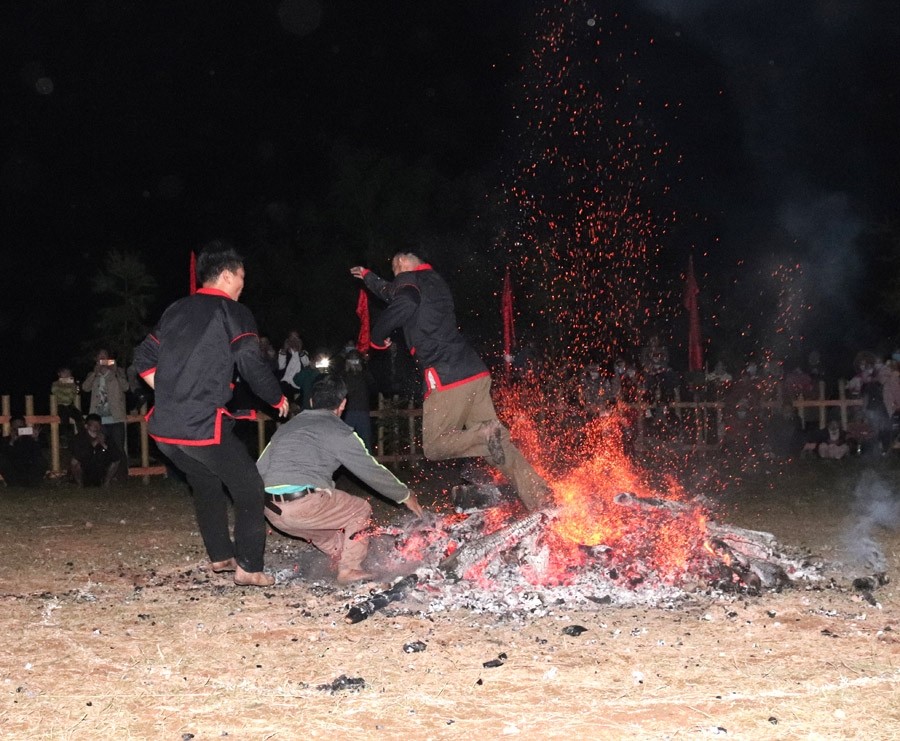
x=93, y=418
x=216, y=257
x=328, y=392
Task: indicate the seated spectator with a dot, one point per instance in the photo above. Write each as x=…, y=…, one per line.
x=21, y=461
x=833, y=443
x=95, y=458
x=65, y=390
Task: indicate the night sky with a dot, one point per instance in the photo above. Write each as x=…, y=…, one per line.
x=151, y=127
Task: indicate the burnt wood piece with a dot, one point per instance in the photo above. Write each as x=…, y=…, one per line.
x=750, y=543
x=377, y=601
x=484, y=550
x=627, y=499
x=755, y=573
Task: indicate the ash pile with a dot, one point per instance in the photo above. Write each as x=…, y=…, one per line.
x=485, y=558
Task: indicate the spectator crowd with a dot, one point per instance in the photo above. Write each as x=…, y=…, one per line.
x=759, y=401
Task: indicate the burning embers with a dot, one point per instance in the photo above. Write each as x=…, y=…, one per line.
x=497, y=552
x=610, y=539
x=489, y=561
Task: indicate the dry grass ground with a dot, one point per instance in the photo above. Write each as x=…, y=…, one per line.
x=111, y=628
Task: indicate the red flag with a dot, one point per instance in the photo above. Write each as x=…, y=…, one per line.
x=362, y=311
x=506, y=310
x=695, y=348
x=193, y=272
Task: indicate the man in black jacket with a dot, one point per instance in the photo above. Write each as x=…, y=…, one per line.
x=189, y=359
x=458, y=416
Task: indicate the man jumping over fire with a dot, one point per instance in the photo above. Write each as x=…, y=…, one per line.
x=458, y=416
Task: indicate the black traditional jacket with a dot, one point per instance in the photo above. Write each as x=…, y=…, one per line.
x=193, y=351
x=419, y=301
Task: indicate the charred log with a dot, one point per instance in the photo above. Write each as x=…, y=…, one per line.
x=483, y=550
x=379, y=600
x=627, y=499
x=750, y=543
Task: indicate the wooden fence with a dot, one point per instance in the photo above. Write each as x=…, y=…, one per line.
x=398, y=427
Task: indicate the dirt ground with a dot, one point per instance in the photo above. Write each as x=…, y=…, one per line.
x=112, y=628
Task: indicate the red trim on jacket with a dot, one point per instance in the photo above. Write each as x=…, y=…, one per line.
x=148, y=372
x=423, y=266
x=433, y=381
x=378, y=347
x=215, y=440
x=246, y=334
x=214, y=292
x=280, y=402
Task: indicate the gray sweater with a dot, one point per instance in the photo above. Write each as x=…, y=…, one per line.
x=313, y=445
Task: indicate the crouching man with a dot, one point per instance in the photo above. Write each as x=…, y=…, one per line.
x=297, y=468
x=95, y=458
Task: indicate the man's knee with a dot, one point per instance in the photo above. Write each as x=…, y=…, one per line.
x=435, y=451
x=364, y=509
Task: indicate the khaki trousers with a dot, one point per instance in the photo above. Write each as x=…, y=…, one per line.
x=327, y=518
x=451, y=428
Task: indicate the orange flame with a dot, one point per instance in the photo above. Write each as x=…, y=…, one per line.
x=586, y=465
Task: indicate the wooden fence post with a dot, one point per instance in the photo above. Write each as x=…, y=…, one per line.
x=54, y=436
x=5, y=408
x=260, y=434
x=145, y=439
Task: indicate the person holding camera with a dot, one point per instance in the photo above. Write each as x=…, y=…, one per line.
x=292, y=358
x=108, y=385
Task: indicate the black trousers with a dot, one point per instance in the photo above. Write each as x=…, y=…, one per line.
x=210, y=467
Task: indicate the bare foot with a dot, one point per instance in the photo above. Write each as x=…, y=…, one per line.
x=492, y=432
x=252, y=578
x=348, y=576
x=222, y=566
